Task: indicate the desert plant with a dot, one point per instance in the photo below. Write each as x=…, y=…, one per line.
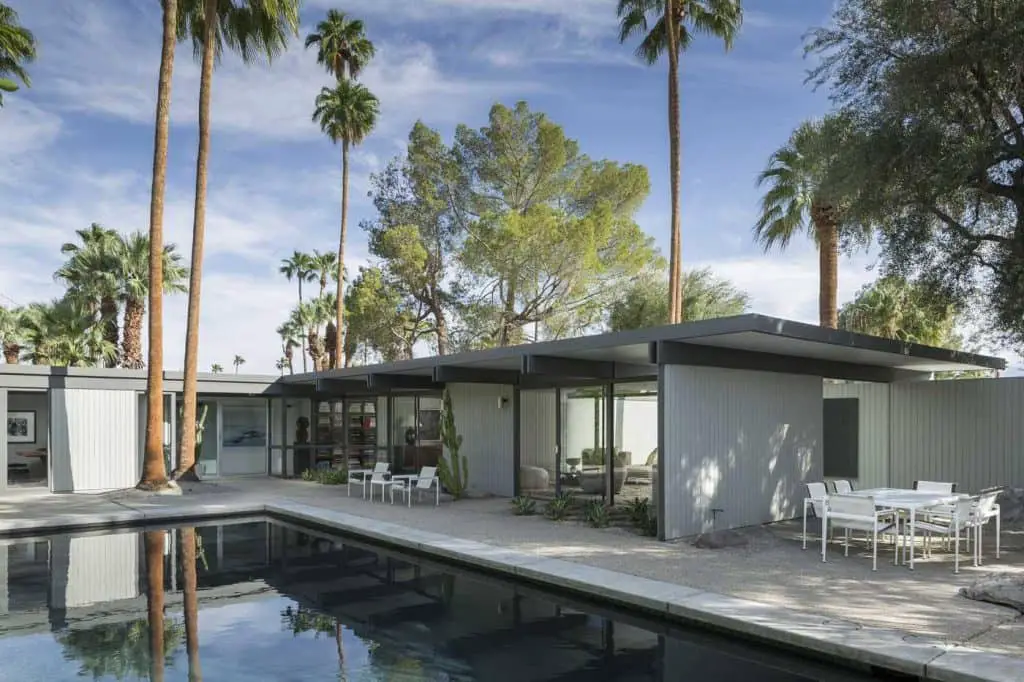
x=558, y=508
x=524, y=506
x=452, y=469
x=596, y=513
x=649, y=527
x=639, y=510
x=333, y=476
x=310, y=475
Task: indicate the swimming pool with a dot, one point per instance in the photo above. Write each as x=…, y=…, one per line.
x=265, y=599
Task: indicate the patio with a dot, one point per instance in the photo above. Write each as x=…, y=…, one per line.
x=770, y=569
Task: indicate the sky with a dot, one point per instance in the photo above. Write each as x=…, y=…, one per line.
x=77, y=146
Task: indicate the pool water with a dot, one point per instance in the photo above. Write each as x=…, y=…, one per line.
x=262, y=599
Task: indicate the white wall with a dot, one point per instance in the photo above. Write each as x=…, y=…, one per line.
x=486, y=426
x=102, y=568
x=39, y=403
x=537, y=437
x=744, y=442
x=968, y=431
x=94, y=439
x=636, y=426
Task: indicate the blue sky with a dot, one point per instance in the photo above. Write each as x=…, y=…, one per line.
x=78, y=145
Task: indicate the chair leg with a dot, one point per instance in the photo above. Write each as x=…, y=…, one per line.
x=998, y=532
x=874, y=549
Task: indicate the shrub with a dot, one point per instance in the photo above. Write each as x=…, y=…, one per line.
x=638, y=509
x=558, y=508
x=524, y=506
x=650, y=527
x=596, y=513
x=311, y=475
x=326, y=476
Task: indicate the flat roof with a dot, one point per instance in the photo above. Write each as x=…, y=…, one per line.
x=750, y=336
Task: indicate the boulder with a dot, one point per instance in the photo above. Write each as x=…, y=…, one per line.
x=1002, y=590
x=720, y=539
x=1011, y=505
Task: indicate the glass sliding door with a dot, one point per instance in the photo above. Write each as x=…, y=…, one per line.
x=403, y=434
x=636, y=437
x=243, y=437
x=583, y=467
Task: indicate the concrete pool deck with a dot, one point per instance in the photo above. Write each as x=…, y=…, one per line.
x=913, y=622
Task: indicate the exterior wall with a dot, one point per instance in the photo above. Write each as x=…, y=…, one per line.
x=486, y=427
x=966, y=431
x=873, y=423
x=538, y=439
x=93, y=439
x=744, y=442
x=102, y=568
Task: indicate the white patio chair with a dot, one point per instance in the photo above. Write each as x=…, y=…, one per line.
x=984, y=511
x=380, y=479
x=815, y=500
x=426, y=480
x=841, y=486
x=951, y=521
x=854, y=512
x=365, y=476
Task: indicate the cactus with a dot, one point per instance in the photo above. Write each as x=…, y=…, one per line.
x=200, y=428
x=452, y=469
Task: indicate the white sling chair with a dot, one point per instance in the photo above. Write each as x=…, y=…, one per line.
x=426, y=480
x=853, y=512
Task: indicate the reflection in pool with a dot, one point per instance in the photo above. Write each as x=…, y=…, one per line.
x=259, y=599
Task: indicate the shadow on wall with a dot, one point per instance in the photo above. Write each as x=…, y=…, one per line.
x=759, y=479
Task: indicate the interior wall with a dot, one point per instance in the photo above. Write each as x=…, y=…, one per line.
x=636, y=426
x=538, y=439
x=37, y=402
x=739, y=441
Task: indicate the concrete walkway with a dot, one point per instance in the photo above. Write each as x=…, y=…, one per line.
x=913, y=621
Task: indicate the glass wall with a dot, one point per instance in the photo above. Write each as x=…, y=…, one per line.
x=582, y=465
x=416, y=433
x=636, y=438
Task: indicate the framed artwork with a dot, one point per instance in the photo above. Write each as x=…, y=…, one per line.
x=21, y=427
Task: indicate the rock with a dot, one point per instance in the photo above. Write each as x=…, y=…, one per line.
x=1003, y=590
x=720, y=539
x=1011, y=505
x=171, y=489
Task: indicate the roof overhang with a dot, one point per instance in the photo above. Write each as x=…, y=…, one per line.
x=751, y=342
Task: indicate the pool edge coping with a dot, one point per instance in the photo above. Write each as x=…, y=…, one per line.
x=895, y=650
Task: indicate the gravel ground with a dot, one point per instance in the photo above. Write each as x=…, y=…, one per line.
x=771, y=568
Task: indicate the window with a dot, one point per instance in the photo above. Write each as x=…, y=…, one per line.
x=429, y=416
x=244, y=426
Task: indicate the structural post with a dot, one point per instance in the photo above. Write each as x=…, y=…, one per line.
x=516, y=440
x=3, y=440
x=659, y=472
x=558, y=441
x=609, y=443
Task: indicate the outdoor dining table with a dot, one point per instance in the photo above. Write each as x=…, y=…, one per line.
x=909, y=501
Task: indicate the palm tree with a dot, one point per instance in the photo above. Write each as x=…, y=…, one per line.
x=64, y=333
x=346, y=113
x=190, y=602
x=325, y=266
x=291, y=338
x=800, y=198
x=253, y=28
x=17, y=46
x=134, y=283
x=238, y=362
x=299, y=266
x=669, y=26
x=92, y=275
x=12, y=333
x=281, y=365
x=154, y=471
x=310, y=317
x=342, y=46
x=216, y=369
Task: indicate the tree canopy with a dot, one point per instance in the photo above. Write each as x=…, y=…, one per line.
x=936, y=163
x=705, y=296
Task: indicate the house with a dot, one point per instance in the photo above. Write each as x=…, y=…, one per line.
x=717, y=421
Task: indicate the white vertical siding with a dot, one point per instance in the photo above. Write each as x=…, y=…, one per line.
x=873, y=423
x=538, y=439
x=102, y=568
x=744, y=442
x=486, y=426
x=93, y=439
x=968, y=431
x=7, y=459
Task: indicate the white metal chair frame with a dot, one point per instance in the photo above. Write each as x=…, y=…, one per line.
x=382, y=479
x=841, y=486
x=854, y=512
x=951, y=521
x=425, y=480
x=817, y=493
x=365, y=477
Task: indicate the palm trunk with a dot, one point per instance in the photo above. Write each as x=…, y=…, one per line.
x=187, y=451
x=154, y=472
x=154, y=542
x=305, y=368
x=288, y=356
x=340, y=307
x=108, y=318
x=12, y=353
x=828, y=266
x=675, y=269
x=131, y=340
x=190, y=602
x=331, y=341
x=341, y=648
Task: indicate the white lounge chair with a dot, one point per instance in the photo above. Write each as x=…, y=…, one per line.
x=365, y=476
x=816, y=494
x=854, y=512
x=425, y=480
x=950, y=521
